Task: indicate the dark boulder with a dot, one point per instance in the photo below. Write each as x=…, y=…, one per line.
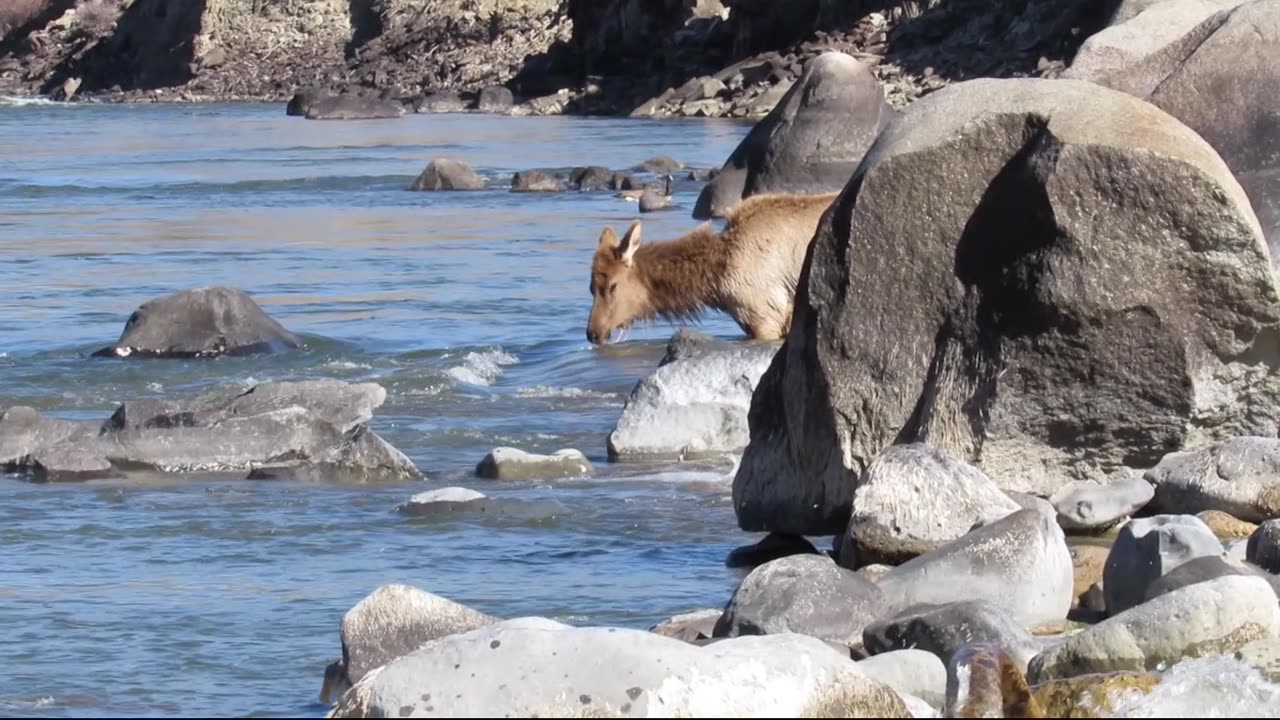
x=354, y=107
x=302, y=101
x=205, y=322
x=975, y=287
x=537, y=181
x=810, y=142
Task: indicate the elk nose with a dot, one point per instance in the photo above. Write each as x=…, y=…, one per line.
x=593, y=337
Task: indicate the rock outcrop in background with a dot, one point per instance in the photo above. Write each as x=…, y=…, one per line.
x=672, y=57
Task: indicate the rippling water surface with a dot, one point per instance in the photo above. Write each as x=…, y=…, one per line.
x=196, y=595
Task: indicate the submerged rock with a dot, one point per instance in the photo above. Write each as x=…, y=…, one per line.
x=1146, y=549
x=451, y=501
x=1020, y=564
x=810, y=142
x=1240, y=476
x=1212, y=617
x=1016, y=280
x=443, y=500
x=447, y=174
x=24, y=431
x=531, y=667
x=205, y=322
x=914, y=499
x=321, y=424
x=354, y=107
x=695, y=403
x=537, y=181
x=807, y=594
x=507, y=463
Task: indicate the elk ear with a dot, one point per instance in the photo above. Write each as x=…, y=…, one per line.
x=609, y=238
x=630, y=243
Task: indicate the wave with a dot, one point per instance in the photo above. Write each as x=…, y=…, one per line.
x=548, y=391
x=482, y=368
x=20, y=101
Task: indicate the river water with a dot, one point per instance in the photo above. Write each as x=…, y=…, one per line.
x=200, y=596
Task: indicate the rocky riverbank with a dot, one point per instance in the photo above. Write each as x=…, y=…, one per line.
x=709, y=58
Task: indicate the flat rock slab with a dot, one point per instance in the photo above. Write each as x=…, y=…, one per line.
x=354, y=107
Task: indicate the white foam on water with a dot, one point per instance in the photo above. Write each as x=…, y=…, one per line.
x=347, y=365
x=17, y=101
x=1218, y=686
x=548, y=391
x=27, y=704
x=482, y=368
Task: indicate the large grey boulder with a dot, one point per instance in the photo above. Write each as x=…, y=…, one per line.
x=1239, y=476
x=1146, y=549
x=944, y=629
x=204, y=322
x=354, y=107
x=914, y=499
x=393, y=621
x=530, y=667
x=960, y=307
x=1214, y=65
x=1019, y=564
x=807, y=594
x=810, y=142
x=1209, y=618
x=448, y=174
x=318, y=425
x=507, y=463
x=694, y=404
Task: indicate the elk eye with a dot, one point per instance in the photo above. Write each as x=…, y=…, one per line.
x=613, y=288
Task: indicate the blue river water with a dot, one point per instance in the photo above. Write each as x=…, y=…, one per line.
x=197, y=596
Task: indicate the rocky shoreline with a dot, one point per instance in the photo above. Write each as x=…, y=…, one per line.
x=710, y=58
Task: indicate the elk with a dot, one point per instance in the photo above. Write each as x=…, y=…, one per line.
x=748, y=270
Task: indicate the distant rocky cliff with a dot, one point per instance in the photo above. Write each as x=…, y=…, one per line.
x=643, y=57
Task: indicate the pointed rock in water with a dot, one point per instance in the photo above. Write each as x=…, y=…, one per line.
x=205, y=322
x=395, y=620
x=806, y=594
x=531, y=667
x=694, y=404
x=1213, y=617
x=1240, y=476
x=772, y=547
x=810, y=142
x=1146, y=549
x=911, y=672
x=507, y=463
x=944, y=629
x=689, y=627
x=1020, y=564
x=1263, y=549
x=914, y=499
x=448, y=174
x=1175, y=361
x=1088, y=506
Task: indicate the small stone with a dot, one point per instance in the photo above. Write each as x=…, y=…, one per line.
x=1091, y=507
x=1225, y=526
x=689, y=627
x=506, y=463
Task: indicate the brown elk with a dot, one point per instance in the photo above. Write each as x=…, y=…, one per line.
x=749, y=269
